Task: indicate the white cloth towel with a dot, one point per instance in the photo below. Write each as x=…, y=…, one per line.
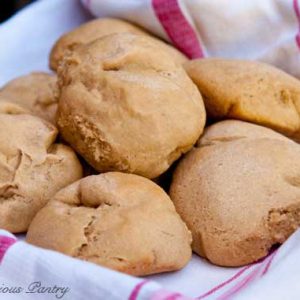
x=266, y=30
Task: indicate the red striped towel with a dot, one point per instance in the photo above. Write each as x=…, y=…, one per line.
x=266, y=30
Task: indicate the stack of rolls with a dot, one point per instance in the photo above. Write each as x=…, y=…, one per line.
x=131, y=110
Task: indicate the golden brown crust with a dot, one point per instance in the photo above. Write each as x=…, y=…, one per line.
x=98, y=28
x=126, y=106
x=239, y=195
x=32, y=168
x=121, y=221
x=33, y=93
x=249, y=91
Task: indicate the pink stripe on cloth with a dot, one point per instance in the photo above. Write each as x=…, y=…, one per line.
x=176, y=296
x=224, y=283
x=240, y=285
x=264, y=261
x=179, y=30
x=267, y=267
x=5, y=243
x=166, y=295
x=297, y=12
x=135, y=292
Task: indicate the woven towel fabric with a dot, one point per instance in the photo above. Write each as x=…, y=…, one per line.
x=28, y=272
x=266, y=30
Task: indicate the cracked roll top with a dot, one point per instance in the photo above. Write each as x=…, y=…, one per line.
x=238, y=192
x=96, y=29
x=120, y=221
x=31, y=94
x=32, y=168
x=249, y=91
x=125, y=105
